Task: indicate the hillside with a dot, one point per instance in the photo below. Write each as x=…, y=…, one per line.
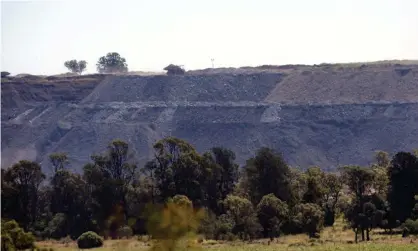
x=324, y=115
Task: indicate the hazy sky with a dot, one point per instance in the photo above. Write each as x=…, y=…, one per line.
x=38, y=36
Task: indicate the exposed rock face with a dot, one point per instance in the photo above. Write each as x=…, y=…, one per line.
x=314, y=115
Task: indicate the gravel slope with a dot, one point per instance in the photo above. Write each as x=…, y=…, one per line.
x=326, y=116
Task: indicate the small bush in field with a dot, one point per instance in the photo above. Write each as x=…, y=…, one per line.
x=411, y=226
x=89, y=240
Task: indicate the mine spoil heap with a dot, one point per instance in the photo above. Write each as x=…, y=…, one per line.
x=326, y=115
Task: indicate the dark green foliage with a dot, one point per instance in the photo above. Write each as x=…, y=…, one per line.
x=58, y=161
x=89, y=240
x=268, y=173
x=57, y=226
x=361, y=212
x=224, y=226
x=403, y=186
x=112, y=63
x=242, y=212
x=359, y=180
x=174, y=70
x=272, y=213
x=76, y=66
x=411, y=226
x=311, y=218
x=315, y=189
x=21, y=194
x=222, y=171
x=69, y=201
x=177, y=169
x=110, y=177
x=114, y=195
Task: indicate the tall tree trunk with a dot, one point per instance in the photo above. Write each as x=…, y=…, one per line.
x=368, y=234
x=356, y=235
x=362, y=235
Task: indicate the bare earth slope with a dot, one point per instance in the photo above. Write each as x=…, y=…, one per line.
x=322, y=115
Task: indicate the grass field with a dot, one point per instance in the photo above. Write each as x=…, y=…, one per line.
x=333, y=238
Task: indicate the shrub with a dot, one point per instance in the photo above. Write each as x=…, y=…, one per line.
x=7, y=243
x=56, y=227
x=182, y=200
x=223, y=227
x=411, y=226
x=14, y=238
x=242, y=214
x=89, y=240
x=172, y=223
x=272, y=213
x=312, y=218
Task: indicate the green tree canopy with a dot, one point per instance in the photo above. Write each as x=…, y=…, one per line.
x=76, y=66
x=272, y=213
x=112, y=63
x=268, y=173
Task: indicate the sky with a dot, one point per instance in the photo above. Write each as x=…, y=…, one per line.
x=37, y=37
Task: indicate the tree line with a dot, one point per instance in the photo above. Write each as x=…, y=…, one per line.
x=112, y=62
x=264, y=198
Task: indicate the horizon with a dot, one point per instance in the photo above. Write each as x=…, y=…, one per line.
x=382, y=62
x=39, y=36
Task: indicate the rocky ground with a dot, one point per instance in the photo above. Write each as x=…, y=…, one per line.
x=326, y=115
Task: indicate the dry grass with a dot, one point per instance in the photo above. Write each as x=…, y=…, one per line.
x=332, y=238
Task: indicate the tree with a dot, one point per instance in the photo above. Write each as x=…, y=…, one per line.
x=268, y=173
x=174, y=70
x=272, y=213
x=76, y=66
x=220, y=163
x=315, y=191
x=312, y=218
x=360, y=181
x=112, y=63
x=333, y=185
x=110, y=176
x=177, y=169
x=69, y=200
x=403, y=184
x=58, y=161
x=22, y=180
x=382, y=158
x=298, y=184
x=381, y=180
x=380, y=169
x=246, y=224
